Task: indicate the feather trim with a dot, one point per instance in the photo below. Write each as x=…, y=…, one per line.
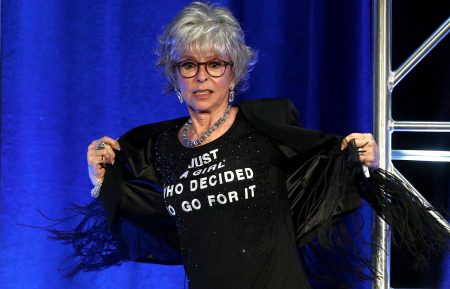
x=345, y=262
x=94, y=246
x=332, y=249
x=321, y=191
x=408, y=217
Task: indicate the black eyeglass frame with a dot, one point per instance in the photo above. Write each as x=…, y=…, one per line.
x=178, y=65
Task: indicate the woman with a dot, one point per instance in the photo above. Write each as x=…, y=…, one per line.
x=233, y=191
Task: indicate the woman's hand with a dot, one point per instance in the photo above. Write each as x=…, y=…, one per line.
x=100, y=152
x=367, y=148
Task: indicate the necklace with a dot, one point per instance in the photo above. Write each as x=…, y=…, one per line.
x=193, y=143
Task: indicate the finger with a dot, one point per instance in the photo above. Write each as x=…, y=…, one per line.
x=107, y=140
x=92, y=145
x=365, y=139
x=349, y=138
x=96, y=157
x=99, y=159
x=109, y=155
x=93, y=159
x=102, y=159
x=361, y=151
x=98, y=173
x=110, y=141
x=99, y=163
x=354, y=141
x=344, y=144
x=352, y=136
x=97, y=170
x=361, y=144
x=106, y=150
x=358, y=139
x=102, y=151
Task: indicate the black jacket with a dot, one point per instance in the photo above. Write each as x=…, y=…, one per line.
x=323, y=183
x=319, y=176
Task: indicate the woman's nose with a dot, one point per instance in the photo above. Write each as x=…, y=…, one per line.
x=202, y=75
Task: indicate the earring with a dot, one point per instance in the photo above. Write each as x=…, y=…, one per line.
x=231, y=96
x=180, y=97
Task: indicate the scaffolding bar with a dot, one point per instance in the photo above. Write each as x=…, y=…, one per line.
x=421, y=126
x=382, y=100
x=441, y=220
x=421, y=155
x=384, y=81
x=421, y=52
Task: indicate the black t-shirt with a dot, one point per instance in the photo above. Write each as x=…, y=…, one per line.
x=230, y=204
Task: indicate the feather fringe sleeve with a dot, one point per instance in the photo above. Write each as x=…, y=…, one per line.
x=329, y=186
x=94, y=246
x=409, y=218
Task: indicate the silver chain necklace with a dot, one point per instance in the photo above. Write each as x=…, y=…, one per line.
x=193, y=143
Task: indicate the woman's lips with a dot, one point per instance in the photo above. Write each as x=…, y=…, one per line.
x=203, y=93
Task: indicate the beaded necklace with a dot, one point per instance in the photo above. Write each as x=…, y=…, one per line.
x=193, y=143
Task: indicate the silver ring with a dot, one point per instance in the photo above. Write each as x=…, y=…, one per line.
x=100, y=145
x=361, y=150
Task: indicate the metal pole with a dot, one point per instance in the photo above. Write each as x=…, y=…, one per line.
x=382, y=116
x=441, y=220
x=421, y=52
x=421, y=155
x=421, y=126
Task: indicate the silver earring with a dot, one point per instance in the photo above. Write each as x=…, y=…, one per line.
x=231, y=96
x=180, y=97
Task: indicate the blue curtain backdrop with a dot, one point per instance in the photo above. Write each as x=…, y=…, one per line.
x=74, y=71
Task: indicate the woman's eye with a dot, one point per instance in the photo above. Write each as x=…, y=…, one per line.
x=188, y=65
x=214, y=64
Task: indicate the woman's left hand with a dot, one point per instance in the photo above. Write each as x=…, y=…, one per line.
x=367, y=148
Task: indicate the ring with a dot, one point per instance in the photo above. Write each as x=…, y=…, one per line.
x=361, y=150
x=100, y=146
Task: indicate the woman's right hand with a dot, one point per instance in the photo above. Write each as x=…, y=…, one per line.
x=99, y=155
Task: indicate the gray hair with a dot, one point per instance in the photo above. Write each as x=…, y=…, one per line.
x=204, y=27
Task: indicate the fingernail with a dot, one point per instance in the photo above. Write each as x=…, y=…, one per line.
x=112, y=162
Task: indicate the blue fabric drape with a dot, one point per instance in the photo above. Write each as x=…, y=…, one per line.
x=73, y=71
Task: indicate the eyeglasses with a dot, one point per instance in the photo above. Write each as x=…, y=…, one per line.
x=214, y=67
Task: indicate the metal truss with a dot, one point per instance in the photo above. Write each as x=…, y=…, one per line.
x=384, y=81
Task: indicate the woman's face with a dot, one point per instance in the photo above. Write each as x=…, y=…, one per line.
x=203, y=92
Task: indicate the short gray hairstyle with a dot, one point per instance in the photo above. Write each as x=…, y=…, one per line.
x=204, y=27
